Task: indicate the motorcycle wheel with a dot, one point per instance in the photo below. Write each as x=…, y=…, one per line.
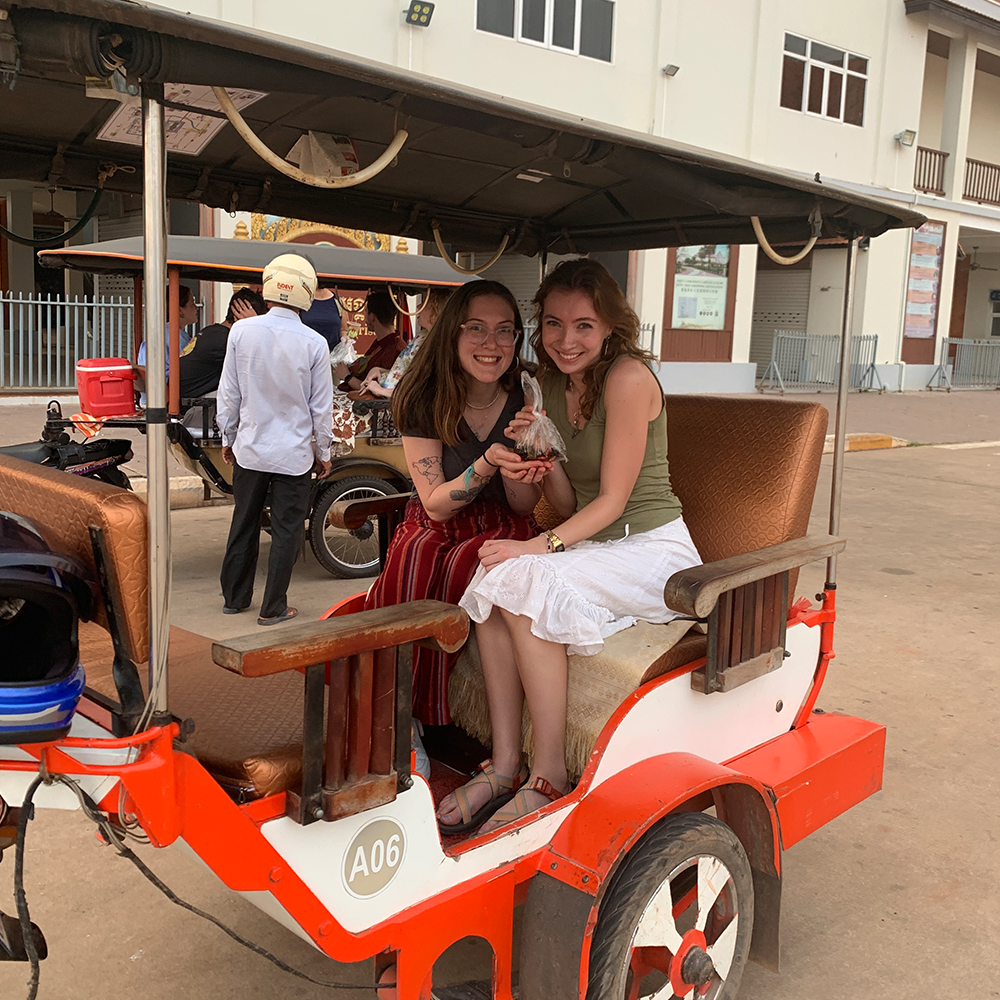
x=114, y=476
x=350, y=554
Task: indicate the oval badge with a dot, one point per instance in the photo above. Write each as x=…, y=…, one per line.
x=374, y=857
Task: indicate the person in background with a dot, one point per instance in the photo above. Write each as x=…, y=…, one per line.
x=382, y=383
x=324, y=316
x=275, y=397
x=380, y=317
x=202, y=359
x=189, y=314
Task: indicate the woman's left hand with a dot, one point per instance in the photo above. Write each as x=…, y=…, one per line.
x=499, y=550
x=515, y=468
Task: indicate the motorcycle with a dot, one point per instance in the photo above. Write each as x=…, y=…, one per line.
x=55, y=449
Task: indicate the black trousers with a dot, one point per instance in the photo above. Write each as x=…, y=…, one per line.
x=289, y=506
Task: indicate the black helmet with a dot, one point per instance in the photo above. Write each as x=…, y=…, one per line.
x=43, y=594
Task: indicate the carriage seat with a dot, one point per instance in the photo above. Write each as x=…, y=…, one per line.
x=251, y=738
x=745, y=471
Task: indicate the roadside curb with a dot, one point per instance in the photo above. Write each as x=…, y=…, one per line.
x=185, y=492
x=861, y=441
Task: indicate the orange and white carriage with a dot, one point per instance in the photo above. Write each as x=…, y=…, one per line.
x=698, y=748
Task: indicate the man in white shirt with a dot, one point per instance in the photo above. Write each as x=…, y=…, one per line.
x=275, y=398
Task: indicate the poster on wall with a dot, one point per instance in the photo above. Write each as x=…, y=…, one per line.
x=701, y=283
x=924, y=280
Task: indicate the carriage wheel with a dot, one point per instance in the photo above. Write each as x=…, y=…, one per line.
x=678, y=917
x=347, y=553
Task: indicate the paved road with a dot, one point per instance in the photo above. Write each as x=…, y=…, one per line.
x=899, y=898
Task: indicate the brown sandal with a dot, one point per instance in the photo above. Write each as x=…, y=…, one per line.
x=517, y=806
x=502, y=787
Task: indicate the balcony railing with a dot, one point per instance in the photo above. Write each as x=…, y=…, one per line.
x=929, y=173
x=982, y=182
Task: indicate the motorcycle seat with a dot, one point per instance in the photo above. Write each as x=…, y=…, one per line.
x=35, y=452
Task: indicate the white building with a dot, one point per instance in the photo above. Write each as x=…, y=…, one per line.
x=896, y=98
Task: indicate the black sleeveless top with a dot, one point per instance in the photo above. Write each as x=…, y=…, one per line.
x=455, y=459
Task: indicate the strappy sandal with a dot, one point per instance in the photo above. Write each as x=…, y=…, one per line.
x=503, y=789
x=287, y=615
x=518, y=806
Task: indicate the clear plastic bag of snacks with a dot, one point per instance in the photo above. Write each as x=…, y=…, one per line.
x=540, y=439
x=344, y=353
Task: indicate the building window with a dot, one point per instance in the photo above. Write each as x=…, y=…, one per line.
x=581, y=27
x=821, y=80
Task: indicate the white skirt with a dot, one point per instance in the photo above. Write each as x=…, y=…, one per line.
x=589, y=592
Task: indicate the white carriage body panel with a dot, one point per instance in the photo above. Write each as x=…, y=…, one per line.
x=674, y=718
x=317, y=853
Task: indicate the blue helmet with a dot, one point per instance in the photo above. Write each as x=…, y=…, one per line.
x=43, y=594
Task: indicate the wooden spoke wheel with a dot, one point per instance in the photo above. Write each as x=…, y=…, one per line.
x=678, y=917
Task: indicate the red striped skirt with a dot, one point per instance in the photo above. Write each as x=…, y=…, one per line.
x=436, y=560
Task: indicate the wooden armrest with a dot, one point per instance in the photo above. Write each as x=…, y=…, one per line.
x=306, y=643
x=695, y=591
x=351, y=514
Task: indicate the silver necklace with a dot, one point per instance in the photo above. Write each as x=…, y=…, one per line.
x=472, y=406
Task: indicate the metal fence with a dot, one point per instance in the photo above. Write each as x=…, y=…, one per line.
x=41, y=339
x=647, y=335
x=973, y=364
x=808, y=362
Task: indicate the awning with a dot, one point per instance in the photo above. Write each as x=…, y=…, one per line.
x=472, y=162
x=241, y=261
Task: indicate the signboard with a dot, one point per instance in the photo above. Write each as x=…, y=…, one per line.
x=186, y=131
x=923, y=282
x=701, y=283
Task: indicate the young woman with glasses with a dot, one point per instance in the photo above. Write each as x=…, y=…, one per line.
x=605, y=565
x=452, y=407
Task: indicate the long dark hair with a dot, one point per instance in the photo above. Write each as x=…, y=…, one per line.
x=611, y=306
x=432, y=392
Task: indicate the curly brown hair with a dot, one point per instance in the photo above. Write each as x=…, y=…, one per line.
x=432, y=392
x=584, y=275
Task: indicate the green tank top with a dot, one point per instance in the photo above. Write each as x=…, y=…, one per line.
x=652, y=502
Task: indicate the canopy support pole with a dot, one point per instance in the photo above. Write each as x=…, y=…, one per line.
x=843, y=386
x=154, y=325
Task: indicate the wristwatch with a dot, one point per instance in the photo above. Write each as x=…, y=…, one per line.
x=555, y=542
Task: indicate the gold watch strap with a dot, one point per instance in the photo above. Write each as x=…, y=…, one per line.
x=555, y=542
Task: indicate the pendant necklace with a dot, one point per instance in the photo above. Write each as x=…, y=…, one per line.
x=472, y=406
x=573, y=420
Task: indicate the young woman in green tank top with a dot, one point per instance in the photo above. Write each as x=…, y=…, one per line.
x=603, y=567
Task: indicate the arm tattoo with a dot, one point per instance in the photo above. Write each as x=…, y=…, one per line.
x=472, y=486
x=429, y=468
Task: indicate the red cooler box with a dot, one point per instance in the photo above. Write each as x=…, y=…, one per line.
x=105, y=386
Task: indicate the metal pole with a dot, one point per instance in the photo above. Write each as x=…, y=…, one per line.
x=174, y=318
x=154, y=323
x=840, y=444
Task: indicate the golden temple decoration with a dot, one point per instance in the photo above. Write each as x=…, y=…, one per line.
x=285, y=230
x=241, y=232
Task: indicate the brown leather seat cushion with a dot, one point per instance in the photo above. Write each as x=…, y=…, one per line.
x=248, y=732
x=745, y=470
x=64, y=506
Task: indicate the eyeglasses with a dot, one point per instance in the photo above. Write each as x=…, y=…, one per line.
x=478, y=332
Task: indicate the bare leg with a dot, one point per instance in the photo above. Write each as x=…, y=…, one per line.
x=543, y=670
x=506, y=699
